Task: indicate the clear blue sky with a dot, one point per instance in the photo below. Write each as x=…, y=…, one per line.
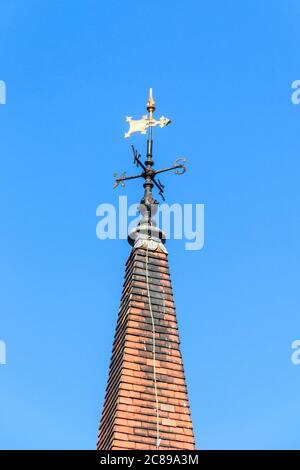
x=222, y=71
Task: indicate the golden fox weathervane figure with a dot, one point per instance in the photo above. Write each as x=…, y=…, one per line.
x=141, y=125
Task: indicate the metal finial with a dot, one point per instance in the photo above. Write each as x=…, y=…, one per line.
x=150, y=102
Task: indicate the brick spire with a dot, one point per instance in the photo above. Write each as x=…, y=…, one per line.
x=146, y=404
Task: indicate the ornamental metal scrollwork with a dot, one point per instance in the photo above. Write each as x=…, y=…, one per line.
x=179, y=166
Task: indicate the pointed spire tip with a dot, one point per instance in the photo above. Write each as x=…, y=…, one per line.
x=150, y=102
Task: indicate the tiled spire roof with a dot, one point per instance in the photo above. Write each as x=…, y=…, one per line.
x=146, y=404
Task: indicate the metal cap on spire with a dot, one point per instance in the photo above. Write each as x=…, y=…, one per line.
x=148, y=205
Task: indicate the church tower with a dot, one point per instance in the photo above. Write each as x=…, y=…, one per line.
x=146, y=403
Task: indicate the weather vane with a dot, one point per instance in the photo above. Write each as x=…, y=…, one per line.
x=147, y=122
x=148, y=205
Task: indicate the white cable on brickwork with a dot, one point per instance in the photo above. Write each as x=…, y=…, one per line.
x=153, y=352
